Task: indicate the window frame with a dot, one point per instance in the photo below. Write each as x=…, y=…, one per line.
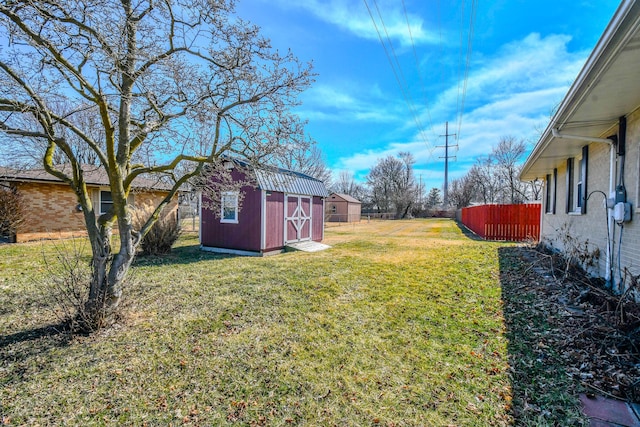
x=102, y=202
x=570, y=172
x=551, y=192
x=229, y=199
x=577, y=191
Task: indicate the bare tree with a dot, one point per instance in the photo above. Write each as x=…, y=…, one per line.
x=304, y=157
x=346, y=184
x=164, y=82
x=461, y=192
x=393, y=185
x=507, y=155
x=484, y=180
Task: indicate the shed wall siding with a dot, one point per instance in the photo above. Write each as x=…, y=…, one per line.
x=317, y=219
x=274, y=223
x=573, y=233
x=345, y=211
x=245, y=235
x=354, y=212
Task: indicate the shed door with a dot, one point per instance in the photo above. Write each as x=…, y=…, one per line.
x=297, y=219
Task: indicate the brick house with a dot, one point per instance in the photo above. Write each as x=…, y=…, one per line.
x=52, y=207
x=589, y=159
x=343, y=208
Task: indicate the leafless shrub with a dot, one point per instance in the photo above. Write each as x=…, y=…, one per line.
x=66, y=288
x=12, y=211
x=576, y=252
x=162, y=235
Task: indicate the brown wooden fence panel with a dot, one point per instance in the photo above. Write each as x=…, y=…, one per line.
x=504, y=222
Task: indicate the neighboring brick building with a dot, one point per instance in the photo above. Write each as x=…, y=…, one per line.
x=53, y=210
x=343, y=208
x=590, y=153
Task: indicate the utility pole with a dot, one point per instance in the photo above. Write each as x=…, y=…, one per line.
x=445, y=198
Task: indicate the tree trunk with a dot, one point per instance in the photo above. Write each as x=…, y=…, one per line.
x=108, y=271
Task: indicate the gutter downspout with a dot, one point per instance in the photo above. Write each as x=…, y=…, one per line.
x=612, y=183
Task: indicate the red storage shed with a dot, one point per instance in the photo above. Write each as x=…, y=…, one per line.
x=284, y=207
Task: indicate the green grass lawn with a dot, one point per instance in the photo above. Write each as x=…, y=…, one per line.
x=400, y=323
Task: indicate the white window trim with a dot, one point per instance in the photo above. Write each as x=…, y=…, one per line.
x=224, y=195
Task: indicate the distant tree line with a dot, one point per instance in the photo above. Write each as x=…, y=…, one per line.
x=391, y=185
x=494, y=179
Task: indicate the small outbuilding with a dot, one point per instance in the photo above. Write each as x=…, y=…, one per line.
x=281, y=208
x=343, y=208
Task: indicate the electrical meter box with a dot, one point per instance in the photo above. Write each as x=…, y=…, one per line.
x=622, y=212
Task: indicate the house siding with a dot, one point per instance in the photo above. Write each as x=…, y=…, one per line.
x=587, y=233
x=52, y=210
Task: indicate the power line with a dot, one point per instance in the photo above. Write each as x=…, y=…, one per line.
x=415, y=56
x=398, y=74
x=461, y=99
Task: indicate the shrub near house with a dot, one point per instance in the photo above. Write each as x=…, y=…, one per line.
x=12, y=211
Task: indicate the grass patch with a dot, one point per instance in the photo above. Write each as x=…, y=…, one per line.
x=399, y=324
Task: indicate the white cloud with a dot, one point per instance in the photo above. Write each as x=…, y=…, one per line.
x=340, y=103
x=354, y=17
x=511, y=93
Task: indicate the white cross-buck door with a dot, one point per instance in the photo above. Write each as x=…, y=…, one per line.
x=297, y=219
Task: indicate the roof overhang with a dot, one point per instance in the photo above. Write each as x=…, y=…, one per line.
x=606, y=89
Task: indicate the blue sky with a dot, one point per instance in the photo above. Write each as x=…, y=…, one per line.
x=524, y=56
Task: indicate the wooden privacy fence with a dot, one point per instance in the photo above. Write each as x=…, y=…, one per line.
x=504, y=222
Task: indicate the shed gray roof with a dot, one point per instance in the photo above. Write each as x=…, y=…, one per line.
x=346, y=198
x=271, y=178
x=286, y=181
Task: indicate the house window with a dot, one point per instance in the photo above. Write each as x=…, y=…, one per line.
x=582, y=182
x=229, y=207
x=551, y=191
x=106, y=201
x=577, y=183
x=334, y=209
x=570, y=172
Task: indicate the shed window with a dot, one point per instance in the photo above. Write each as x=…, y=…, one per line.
x=334, y=209
x=229, y=207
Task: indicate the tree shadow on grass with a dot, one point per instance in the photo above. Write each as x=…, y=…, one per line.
x=542, y=391
x=181, y=255
x=19, y=348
